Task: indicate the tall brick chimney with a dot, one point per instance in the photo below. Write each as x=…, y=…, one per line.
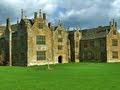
x=115, y=24
x=40, y=13
x=35, y=15
x=44, y=16
x=8, y=24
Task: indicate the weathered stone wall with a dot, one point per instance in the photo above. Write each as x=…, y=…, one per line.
x=19, y=50
x=75, y=37
x=19, y=44
x=64, y=53
x=33, y=47
x=72, y=46
x=94, y=51
x=61, y=46
x=2, y=52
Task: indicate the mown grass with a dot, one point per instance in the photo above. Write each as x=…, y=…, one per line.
x=77, y=76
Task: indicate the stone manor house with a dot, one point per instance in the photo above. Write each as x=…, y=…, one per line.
x=34, y=42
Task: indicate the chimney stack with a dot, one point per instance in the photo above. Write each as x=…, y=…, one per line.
x=40, y=13
x=8, y=24
x=49, y=24
x=44, y=16
x=115, y=24
x=35, y=15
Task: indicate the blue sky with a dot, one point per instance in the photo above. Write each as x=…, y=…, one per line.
x=72, y=13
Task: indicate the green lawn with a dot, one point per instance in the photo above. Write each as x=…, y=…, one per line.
x=77, y=76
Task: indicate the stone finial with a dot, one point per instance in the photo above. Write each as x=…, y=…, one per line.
x=22, y=14
x=113, y=21
x=59, y=22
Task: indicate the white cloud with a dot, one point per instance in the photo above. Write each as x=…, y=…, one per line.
x=87, y=13
x=90, y=13
x=12, y=7
x=115, y=12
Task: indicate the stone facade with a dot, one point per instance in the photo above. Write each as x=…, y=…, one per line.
x=33, y=42
x=113, y=44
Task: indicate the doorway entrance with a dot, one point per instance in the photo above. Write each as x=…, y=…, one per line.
x=60, y=59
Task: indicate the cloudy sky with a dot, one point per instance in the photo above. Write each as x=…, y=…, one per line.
x=72, y=13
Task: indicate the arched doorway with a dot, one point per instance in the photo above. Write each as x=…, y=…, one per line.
x=60, y=59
